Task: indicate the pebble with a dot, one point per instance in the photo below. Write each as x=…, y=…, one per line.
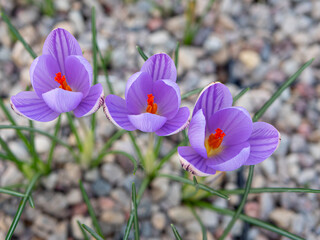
x=74, y=196
x=112, y=172
x=159, y=188
x=112, y=217
x=101, y=188
x=180, y=214
x=76, y=231
x=159, y=221
x=249, y=58
x=282, y=217
x=11, y=176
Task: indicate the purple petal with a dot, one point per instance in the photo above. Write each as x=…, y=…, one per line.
x=230, y=158
x=160, y=66
x=130, y=81
x=137, y=96
x=60, y=100
x=29, y=105
x=147, y=122
x=235, y=122
x=264, y=141
x=176, y=124
x=193, y=162
x=214, y=97
x=197, y=133
x=116, y=111
x=42, y=73
x=61, y=44
x=167, y=97
x=91, y=103
x=79, y=74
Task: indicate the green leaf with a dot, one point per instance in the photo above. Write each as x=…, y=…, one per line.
x=135, y=213
x=136, y=147
x=21, y=206
x=11, y=192
x=142, y=54
x=271, y=190
x=176, y=55
x=84, y=233
x=203, y=229
x=92, y=232
x=239, y=95
x=11, y=156
x=74, y=131
x=175, y=232
x=94, y=60
x=104, y=67
x=158, y=146
x=90, y=210
x=189, y=182
x=251, y=220
x=188, y=94
x=53, y=143
x=106, y=147
x=283, y=87
x=17, y=34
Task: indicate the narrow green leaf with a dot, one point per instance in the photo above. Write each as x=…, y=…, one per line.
x=242, y=203
x=31, y=202
x=106, y=147
x=6, y=19
x=195, y=183
x=90, y=210
x=203, y=229
x=240, y=94
x=176, y=55
x=142, y=54
x=11, y=192
x=272, y=190
x=104, y=67
x=189, y=182
x=193, y=92
x=84, y=233
x=136, y=147
x=283, y=87
x=74, y=131
x=251, y=220
x=94, y=60
x=92, y=232
x=42, y=133
x=135, y=211
x=158, y=146
x=21, y=206
x=10, y=154
x=175, y=232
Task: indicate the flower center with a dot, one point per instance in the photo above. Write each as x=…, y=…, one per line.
x=214, y=141
x=62, y=80
x=152, y=107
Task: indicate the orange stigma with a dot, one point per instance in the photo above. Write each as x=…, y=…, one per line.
x=152, y=107
x=62, y=80
x=214, y=141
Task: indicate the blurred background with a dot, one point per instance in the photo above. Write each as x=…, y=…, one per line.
x=242, y=43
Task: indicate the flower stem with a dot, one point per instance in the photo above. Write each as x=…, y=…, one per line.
x=150, y=155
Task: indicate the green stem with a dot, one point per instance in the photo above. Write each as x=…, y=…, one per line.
x=22, y=206
x=271, y=190
x=53, y=144
x=203, y=229
x=137, y=149
x=74, y=131
x=158, y=146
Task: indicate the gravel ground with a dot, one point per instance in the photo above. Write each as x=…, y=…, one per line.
x=241, y=43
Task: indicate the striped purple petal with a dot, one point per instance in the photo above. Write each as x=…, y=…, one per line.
x=264, y=140
x=160, y=66
x=197, y=133
x=147, y=122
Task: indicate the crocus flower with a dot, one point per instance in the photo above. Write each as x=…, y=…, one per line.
x=222, y=137
x=61, y=78
x=152, y=100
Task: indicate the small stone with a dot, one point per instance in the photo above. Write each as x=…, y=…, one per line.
x=174, y=195
x=42, y=144
x=209, y=218
x=159, y=221
x=121, y=197
x=62, y=5
x=159, y=38
x=213, y=43
x=147, y=230
x=180, y=214
x=282, y=217
x=44, y=225
x=11, y=176
x=113, y=217
x=298, y=143
x=101, y=188
x=283, y=147
x=266, y=205
x=19, y=149
x=73, y=173
x=187, y=58
x=160, y=187
x=77, y=19
x=176, y=26
x=106, y=203
x=306, y=176
x=50, y=181
x=269, y=167
x=112, y=172
x=91, y=175
x=250, y=59
x=74, y=196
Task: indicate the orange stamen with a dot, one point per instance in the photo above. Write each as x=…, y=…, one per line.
x=62, y=80
x=152, y=107
x=214, y=141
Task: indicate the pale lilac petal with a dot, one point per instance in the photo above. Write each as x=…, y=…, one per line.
x=264, y=141
x=160, y=66
x=167, y=97
x=138, y=94
x=60, y=100
x=235, y=122
x=42, y=73
x=193, y=162
x=116, y=111
x=214, y=97
x=130, y=81
x=176, y=124
x=61, y=44
x=91, y=103
x=78, y=74
x=230, y=158
x=147, y=122
x=29, y=105
x=197, y=133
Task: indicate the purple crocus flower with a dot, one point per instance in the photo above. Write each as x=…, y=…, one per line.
x=152, y=100
x=222, y=137
x=61, y=78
